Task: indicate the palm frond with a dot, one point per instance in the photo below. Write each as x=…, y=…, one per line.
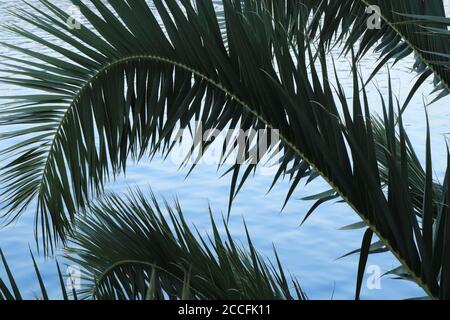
x=170, y=262
x=170, y=259
x=398, y=35
x=87, y=125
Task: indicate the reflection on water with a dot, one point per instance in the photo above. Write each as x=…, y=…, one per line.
x=308, y=252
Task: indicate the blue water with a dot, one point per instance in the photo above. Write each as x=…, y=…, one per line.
x=308, y=252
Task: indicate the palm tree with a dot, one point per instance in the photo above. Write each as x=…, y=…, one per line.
x=120, y=86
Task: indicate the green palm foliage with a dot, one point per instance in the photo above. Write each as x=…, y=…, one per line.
x=169, y=262
x=120, y=86
x=346, y=22
x=73, y=148
x=12, y=292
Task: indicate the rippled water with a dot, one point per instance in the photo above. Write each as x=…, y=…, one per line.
x=309, y=252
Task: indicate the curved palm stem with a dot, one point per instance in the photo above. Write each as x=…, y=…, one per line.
x=111, y=269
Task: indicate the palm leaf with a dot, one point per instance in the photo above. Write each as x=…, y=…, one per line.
x=399, y=35
x=160, y=82
x=170, y=261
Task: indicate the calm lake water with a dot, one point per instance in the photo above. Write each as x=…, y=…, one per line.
x=308, y=252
